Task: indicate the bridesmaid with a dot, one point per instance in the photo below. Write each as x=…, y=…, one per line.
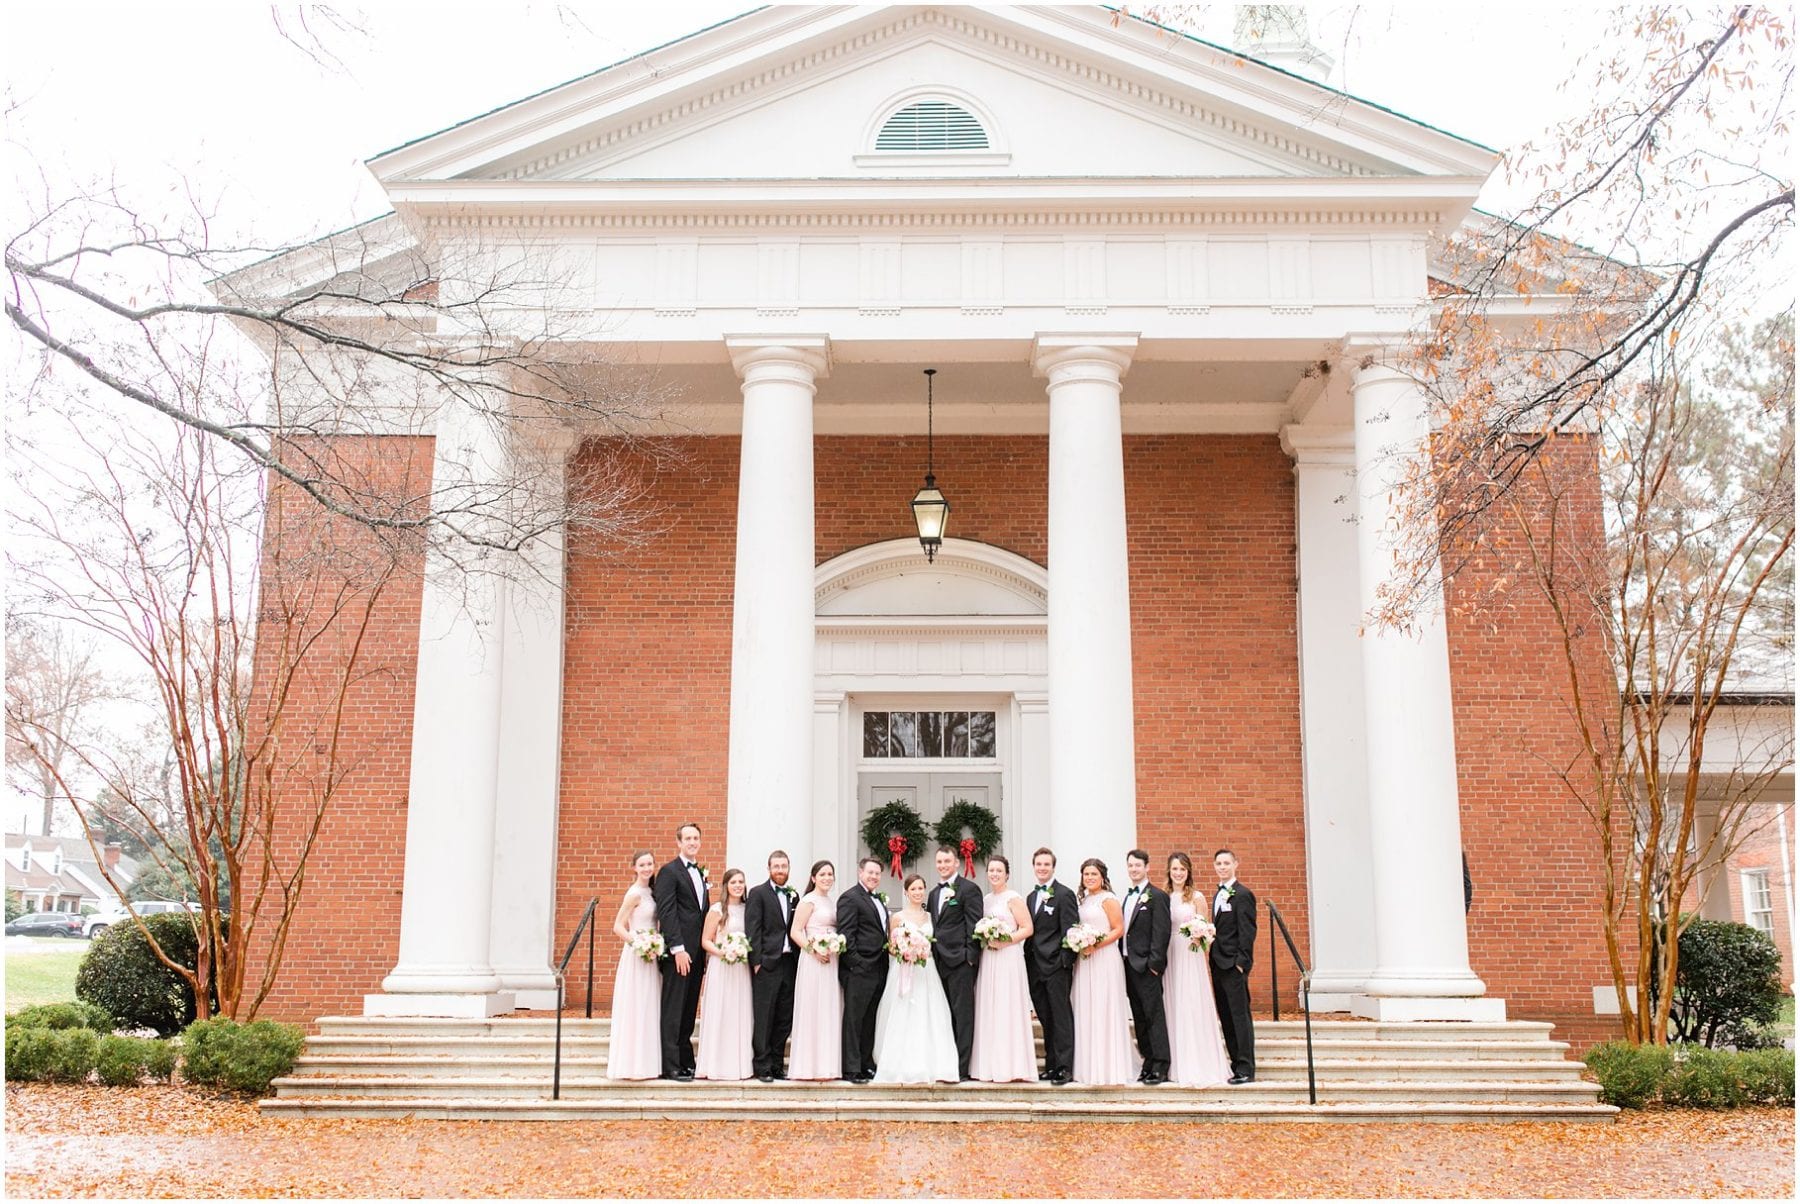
x=1003, y=1051
x=1197, y=1055
x=634, y=1048
x=726, y=1014
x=1104, y=1054
x=816, y=1049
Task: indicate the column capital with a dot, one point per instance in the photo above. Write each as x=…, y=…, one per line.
x=1375, y=356
x=1319, y=445
x=808, y=352
x=1107, y=354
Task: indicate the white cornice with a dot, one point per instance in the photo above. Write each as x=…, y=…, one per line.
x=1198, y=87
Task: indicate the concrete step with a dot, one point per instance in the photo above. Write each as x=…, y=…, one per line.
x=858, y=1107
x=1293, y=1049
x=1015, y=1095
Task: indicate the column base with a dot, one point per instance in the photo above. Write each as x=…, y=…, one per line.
x=458, y=1006
x=1401, y=1008
x=1332, y=1001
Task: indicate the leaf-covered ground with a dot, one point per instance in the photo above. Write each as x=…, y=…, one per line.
x=161, y=1141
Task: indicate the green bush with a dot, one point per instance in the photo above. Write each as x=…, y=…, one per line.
x=62, y=1015
x=1704, y=1078
x=122, y=974
x=239, y=1057
x=1727, y=986
x=1768, y=1076
x=1630, y=1075
x=50, y=1055
x=128, y=1061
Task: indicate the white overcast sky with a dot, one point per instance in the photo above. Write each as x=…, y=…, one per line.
x=149, y=94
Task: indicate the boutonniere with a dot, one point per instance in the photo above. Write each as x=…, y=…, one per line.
x=952, y=901
x=789, y=892
x=704, y=875
x=882, y=895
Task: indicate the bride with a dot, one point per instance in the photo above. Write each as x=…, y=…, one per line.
x=914, y=1042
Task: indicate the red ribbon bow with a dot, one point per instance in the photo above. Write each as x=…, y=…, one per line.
x=968, y=854
x=897, y=846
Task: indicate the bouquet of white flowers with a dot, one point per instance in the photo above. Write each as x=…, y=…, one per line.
x=990, y=932
x=829, y=943
x=648, y=944
x=1083, y=937
x=734, y=948
x=1199, y=933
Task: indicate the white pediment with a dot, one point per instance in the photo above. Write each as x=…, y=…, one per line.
x=893, y=580
x=790, y=93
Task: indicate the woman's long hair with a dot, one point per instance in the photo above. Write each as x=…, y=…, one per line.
x=1105, y=882
x=1187, y=891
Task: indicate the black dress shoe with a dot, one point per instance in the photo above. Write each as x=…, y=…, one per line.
x=1060, y=1080
x=765, y=1078
x=781, y=1076
x=685, y=1076
x=1238, y=1080
x=1045, y=1077
x=1155, y=1080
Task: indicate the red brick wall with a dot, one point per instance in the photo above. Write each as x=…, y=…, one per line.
x=346, y=930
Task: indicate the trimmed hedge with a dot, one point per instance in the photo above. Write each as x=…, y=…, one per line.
x=1691, y=1076
x=239, y=1057
x=122, y=974
x=50, y=1055
x=62, y=1015
x=128, y=1061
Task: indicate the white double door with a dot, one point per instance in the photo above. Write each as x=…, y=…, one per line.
x=930, y=794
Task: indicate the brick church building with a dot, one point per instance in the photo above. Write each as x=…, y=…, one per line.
x=1165, y=288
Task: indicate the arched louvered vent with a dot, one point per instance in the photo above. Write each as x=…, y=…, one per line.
x=932, y=125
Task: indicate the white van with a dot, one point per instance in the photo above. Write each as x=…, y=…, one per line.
x=101, y=921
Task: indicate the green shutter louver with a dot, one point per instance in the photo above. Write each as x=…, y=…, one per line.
x=931, y=125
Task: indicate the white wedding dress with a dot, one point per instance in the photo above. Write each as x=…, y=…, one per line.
x=914, y=1042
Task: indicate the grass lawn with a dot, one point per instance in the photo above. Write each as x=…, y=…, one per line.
x=43, y=977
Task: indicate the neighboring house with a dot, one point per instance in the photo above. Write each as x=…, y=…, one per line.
x=59, y=873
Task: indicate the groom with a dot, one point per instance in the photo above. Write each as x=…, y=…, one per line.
x=862, y=920
x=955, y=906
x=681, y=897
x=768, y=920
x=1049, y=965
x=1146, y=952
x=1233, y=951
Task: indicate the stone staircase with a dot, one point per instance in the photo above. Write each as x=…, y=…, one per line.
x=500, y=1069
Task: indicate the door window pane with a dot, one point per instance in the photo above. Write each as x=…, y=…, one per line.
x=875, y=733
x=931, y=733
x=981, y=733
x=956, y=733
x=903, y=734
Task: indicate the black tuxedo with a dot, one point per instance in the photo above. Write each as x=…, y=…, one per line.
x=773, y=960
x=1049, y=968
x=862, y=920
x=682, y=917
x=956, y=953
x=1233, y=953
x=1145, y=948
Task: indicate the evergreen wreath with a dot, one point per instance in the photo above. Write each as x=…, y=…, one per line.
x=895, y=821
x=982, y=826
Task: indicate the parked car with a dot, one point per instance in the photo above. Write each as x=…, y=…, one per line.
x=101, y=921
x=46, y=923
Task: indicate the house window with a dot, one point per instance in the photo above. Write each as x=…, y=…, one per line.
x=1759, y=904
x=25, y=857
x=908, y=734
x=932, y=125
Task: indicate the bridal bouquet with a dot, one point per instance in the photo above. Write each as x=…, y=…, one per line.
x=1199, y=934
x=991, y=933
x=1083, y=937
x=829, y=943
x=648, y=944
x=734, y=948
x=910, y=946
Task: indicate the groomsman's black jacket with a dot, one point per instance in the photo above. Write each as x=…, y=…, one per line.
x=1235, y=945
x=1146, y=943
x=680, y=914
x=954, y=925
x=865, y=933
x=1050, y=923
x=763, y=923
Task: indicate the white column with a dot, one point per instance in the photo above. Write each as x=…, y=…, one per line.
x=830, y=832
x=769, y=802
x=1031, y=779
x=1093, y=764
x=444, y=967
x=530, y=768
x=1415, y=832
x=1340, y=883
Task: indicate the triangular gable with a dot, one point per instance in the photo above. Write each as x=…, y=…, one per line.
x=788, y=93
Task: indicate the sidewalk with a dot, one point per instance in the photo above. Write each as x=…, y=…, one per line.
x=162, y=1141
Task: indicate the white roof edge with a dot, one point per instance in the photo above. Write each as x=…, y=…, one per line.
x=1271, y=95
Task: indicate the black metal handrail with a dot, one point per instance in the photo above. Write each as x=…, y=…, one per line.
x=586, y=925
x=1312, y=1086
